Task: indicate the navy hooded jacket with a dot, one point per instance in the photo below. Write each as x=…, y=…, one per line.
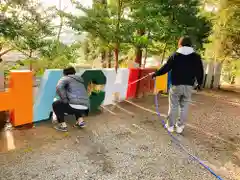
x=186, y=67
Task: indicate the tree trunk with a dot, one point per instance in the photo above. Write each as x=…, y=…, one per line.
x=109, y=58
x=30, y=67
x=233, y=76
x=30, y=63
x=146, y=51
x=103, y=59
x=61, y=22
x=5, y=52
x=60, y=29
x=145, y=58
x=138, y=51
x=138, y=58
x=233, y=79
x=116, y=52
x=164, y=51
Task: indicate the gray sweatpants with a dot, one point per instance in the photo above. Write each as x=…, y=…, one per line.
x=179, y=99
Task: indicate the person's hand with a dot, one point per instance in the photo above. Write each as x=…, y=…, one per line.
x=153, y=75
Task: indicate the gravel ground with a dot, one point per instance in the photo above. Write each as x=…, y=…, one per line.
x=127, y=147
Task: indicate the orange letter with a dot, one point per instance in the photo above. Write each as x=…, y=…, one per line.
x=19, y=97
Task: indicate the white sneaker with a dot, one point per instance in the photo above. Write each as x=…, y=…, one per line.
x=170, y=129
x=179, y=129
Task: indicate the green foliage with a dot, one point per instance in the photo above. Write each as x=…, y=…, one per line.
x=26, y=27
x=224, y=43
x=20, y=17
x=124, y=25
x=34, y=32
x=26, y=24
x=159, y=24
x=142, y=23
x=100, y=22
x=10, y=26
x=225, y=37
x=105, y=26
x=92, y=47
x=56, y=49
x=55, y=55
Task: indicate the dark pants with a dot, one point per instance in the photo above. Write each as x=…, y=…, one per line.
x=60, y=109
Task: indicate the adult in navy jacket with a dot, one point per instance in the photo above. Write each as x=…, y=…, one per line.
x=186, y=67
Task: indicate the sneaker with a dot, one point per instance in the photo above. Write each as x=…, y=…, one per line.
x=170, y=129
x=61, y=127
x=81, y=124
x=179, y=129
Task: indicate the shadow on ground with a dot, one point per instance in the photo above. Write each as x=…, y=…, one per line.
x=130, y=147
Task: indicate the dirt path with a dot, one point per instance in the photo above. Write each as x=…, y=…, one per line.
x=129, y=147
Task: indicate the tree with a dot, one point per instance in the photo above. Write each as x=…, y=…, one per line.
x=140, y=24
x=165, y=21
x=25, y=26
x=104, y=24
x=225, y=39
x=9, y=20
x=10, y=27
x=224, y=45
x=36, y=32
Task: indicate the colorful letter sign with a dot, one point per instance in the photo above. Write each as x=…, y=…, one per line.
x=18, y=99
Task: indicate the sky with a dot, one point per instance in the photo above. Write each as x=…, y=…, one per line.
x=66, y=4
